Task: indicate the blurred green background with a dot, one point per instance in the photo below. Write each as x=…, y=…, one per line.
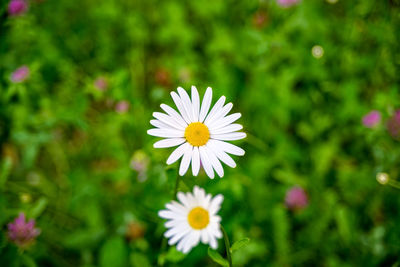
x=79, y=161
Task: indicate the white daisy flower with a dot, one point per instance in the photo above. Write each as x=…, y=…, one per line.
x=193, y=220
x=200, y=134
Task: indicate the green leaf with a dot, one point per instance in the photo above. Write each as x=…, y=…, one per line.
x=114, y=253
x=171, y=176
x=138, y=259
x=3, y=242
x=5, y=171
x=38, y=208
x=215, y=256
x=174, y=255
x=27, y=261
x=239, y=244
x=343, y=223
x=84, y=238
x=281, y=226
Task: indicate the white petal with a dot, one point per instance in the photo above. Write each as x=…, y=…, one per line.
x=184, y=245
x=167, y=120
x=206, y=202
x=229, y=136
x=167, y=133
x=195, y=103
x=179, y=247
x=221, y=155
x=206, y=162
x=216, y=108
x=160, y=125
x=181, y=234
x=172, y=112
x=199, y=193
x=195, y=161
x=169, y=142
x=225, y=121
x=177, y=153
x=204, y=237
x=194, y=238
x=213, y=241
x=220, y=114
x=196, y=190
x=218, y=233
x=228, y=148
x=176, y=203
x=205, y=105
x=183, y=199
x=179, y=104
x=167, y=214
x=214, y=162
x=215, y=230
x=215, y=204
x=214, y=219
x=187, y=156
x=187, y=104
x=176, y=207
x=187, y=247
x=192, y=201
x=228, y=129
x=190, y=241
x=175, y=223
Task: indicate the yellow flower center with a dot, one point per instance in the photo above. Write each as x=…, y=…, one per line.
x=198, y=218
x=197, y=134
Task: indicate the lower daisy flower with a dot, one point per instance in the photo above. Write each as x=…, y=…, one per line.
x=193, y=220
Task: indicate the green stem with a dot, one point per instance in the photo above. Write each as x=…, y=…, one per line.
x=164, y=241
x=178, y=178
x=163, y=248
x=227, y=246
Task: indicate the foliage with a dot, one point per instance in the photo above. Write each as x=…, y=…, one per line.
x=67, y=153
